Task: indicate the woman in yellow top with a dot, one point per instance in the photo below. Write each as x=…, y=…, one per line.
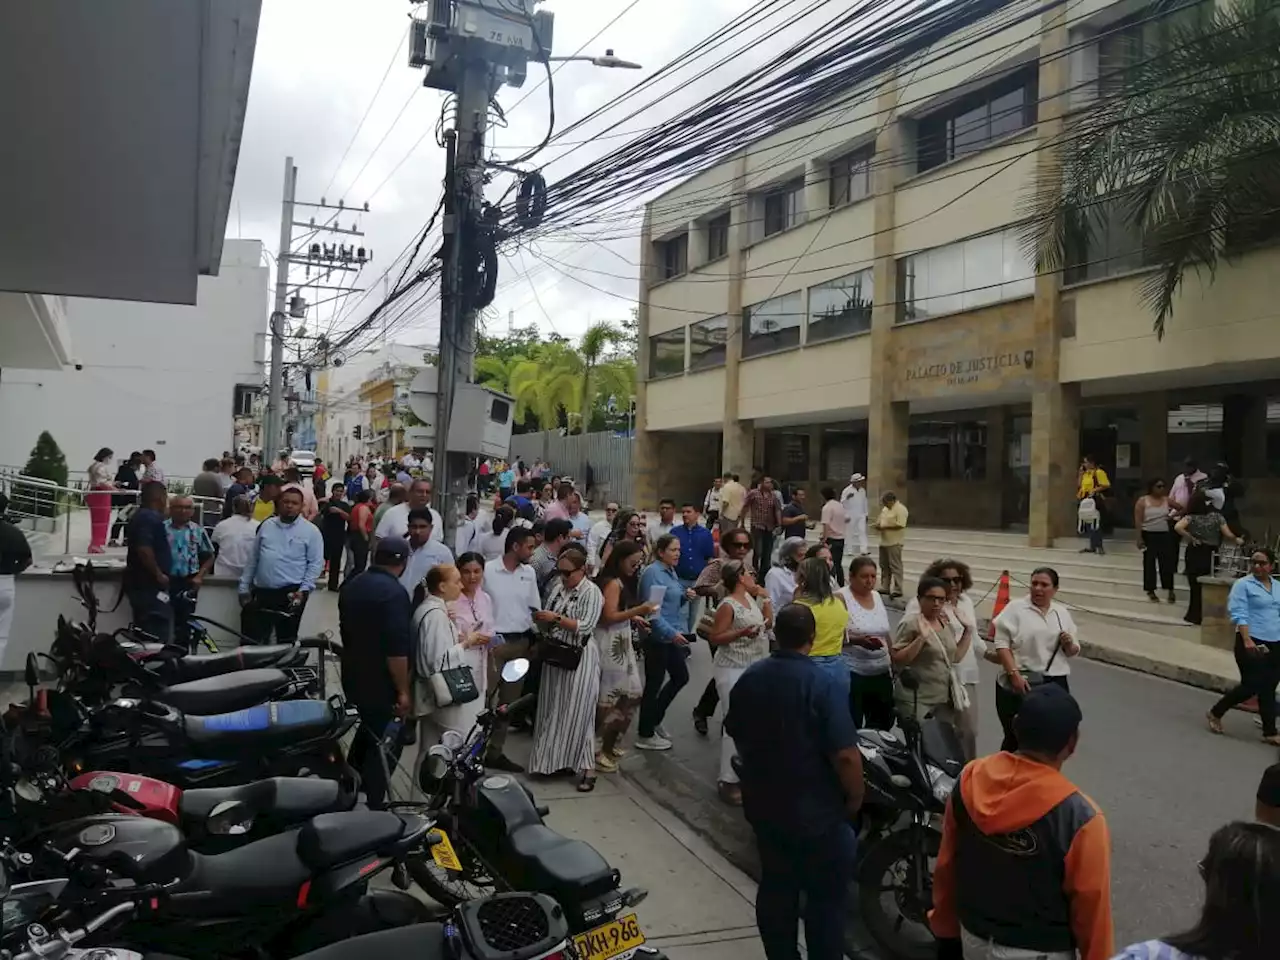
x=1093, y=482
x=814, y=590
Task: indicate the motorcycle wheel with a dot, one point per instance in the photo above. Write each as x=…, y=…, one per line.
x=887, y=900
x=447, y=887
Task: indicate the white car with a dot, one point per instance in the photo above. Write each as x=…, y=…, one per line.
x=304, y=460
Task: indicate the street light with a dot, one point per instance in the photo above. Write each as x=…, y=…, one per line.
x=608, y=60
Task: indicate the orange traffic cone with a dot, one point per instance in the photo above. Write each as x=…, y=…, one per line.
x=1002, y=601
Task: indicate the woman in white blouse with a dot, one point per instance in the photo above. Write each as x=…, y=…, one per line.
x=101, y=480
x=440, y=645
x=866, y=648
x=1034, y=643
x=960, y=616
x=780, y=581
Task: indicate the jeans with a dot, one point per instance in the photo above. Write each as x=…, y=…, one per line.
x=1095, y=537
x=817, y=868
x=1259, y=677
x=150, y=613
x=976, y=948
x=1160, y=554
x=836, y=546
x=837, y=668
x=871, y=700
x=366, y=746
x=1007, y=706
x=270, y=609
x=666, y=671
x=891, y=569
x=359, y=547
x=693, y=608
x=762, y=547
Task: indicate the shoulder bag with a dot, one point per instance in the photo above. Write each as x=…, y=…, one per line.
x=451, y=686
x=553, y=651
x=959, y=695
x=1034, y=678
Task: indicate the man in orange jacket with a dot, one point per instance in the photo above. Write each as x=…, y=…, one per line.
x=1025, y=864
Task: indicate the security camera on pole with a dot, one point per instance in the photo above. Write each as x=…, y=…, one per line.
x=471, y=48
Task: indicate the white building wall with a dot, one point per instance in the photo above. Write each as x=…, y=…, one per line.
x=340, y=404
x=162, y=376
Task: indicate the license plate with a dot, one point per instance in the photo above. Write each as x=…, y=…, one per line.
x=443, y=853
x=610, y=940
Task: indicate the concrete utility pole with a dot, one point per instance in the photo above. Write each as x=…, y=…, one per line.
x=326, y=259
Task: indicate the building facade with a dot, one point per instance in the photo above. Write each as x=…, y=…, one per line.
x=853, y=293
x=346, y=396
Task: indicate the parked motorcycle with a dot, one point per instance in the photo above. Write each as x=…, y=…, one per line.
x=493, y=839
x=908, y=782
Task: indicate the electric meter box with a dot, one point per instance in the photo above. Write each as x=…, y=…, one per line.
x=503, y=35
x=481, y=423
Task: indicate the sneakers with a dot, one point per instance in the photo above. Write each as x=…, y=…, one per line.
x=661, y=732
x=653, y=743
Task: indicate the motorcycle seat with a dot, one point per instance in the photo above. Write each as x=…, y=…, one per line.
x=552, y=861
x=281, y=799
x=333, y=838
x=260, y=873
x=279, y=723
x=185, y=669
x=225, y=693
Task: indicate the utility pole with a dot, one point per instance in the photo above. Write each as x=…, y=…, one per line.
x=326, y=260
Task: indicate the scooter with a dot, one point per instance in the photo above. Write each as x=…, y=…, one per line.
x=494, y=838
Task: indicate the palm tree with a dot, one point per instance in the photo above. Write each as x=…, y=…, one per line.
x=565, y=381
x=1181, y=146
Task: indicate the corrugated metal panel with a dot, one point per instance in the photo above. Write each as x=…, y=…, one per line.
x=608, y=454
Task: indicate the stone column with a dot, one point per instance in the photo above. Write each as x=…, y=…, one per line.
x=887, y=419
x=813, y=482
x=1055, y=413
x=644, y=445
x=739, y=435
x=1153, y=421
x=997, y=442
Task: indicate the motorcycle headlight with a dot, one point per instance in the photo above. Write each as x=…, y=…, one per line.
x=943, y=783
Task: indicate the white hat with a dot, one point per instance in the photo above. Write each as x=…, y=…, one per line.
x=857, y=477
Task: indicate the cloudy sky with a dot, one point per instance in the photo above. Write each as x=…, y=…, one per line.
x=317, y=67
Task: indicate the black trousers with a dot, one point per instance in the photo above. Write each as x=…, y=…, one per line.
x=1007, y=706
x=762, y=547
x=1160, y=555
x=707, y=703
x=817, y=869
x=335, y=549
x=1199, y=564
x=179, y=587
x=365, y=748
x=1259, y=677
x=359, y=554
x=871, y=700
x=150, y=613
x=666, y=671
x=836, y=546
x=270, y=609
x=119, y=525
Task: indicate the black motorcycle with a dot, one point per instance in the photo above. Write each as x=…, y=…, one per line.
x=494, y=838
x=908, y=781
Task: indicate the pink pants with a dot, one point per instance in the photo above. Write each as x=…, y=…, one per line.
x=99, y=501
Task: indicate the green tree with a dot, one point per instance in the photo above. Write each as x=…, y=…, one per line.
x=47, y=462
x=1181, y=145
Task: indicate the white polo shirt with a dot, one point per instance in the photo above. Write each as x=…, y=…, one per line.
x=395, y=523
x=514, y=594
x=1032, y=635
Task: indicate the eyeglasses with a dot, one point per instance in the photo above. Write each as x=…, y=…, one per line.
x=955, y=579
x=567, y=573
x=935, y=598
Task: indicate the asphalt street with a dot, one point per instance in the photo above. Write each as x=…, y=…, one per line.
x=1163, y=781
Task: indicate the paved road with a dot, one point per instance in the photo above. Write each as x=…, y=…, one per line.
x=1145, y=756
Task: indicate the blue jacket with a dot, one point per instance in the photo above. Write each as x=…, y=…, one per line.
x=1251, y=605
x=697, y=548
x=668, y=621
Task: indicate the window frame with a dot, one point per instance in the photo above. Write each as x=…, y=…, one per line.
x=936, y=131
x=845, y=170
x=791, y=193
x=680, y=245
x=718, y=352
x=782, y=333
x=718, y=226
x=1082, y=265
x=913, y=267
x=866, y=280
x=656, y=340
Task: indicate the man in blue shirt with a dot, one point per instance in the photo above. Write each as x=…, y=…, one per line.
x=424, y=552
x=147, y=564
x=801, y=782
x=286, y=560
x=191, y=557
x=374, y=617
x=697, y=549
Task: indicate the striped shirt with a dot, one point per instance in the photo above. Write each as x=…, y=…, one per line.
x=582, y=604
x=744, y=651
x=763, y=510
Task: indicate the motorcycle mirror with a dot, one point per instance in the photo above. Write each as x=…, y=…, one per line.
x=907, y=677
x=438, y=759
x=32, y=671
x=230, y=818
x=514, y=670
x=452, y=739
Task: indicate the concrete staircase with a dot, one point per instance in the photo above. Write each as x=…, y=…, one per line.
x=1107, y=587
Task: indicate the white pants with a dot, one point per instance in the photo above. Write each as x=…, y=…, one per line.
x=726, y=678
x=857, y=531
x=7, y=592
x=976, y=948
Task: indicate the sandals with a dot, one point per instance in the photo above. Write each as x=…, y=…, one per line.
x=587, y=783
x=1215, y=724
x=606, y=763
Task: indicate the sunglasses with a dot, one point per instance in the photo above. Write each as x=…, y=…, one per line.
x=933, y=597
x=567, y=573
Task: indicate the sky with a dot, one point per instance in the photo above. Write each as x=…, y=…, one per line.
x=316, y=69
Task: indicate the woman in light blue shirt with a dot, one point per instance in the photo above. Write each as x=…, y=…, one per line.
x=666, y=648
x=1254, y=606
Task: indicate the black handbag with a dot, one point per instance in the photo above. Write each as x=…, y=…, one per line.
x=556, y=653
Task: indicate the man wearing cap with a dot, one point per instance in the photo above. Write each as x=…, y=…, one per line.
x=374, y=615
x=1268, y=802
x=1025, y=864
x=854, y=500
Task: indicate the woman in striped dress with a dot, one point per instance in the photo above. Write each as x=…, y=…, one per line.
x=564, y=728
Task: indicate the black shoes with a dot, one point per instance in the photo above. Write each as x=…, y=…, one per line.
x=504, y=763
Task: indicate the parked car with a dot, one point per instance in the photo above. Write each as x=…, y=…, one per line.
x=304, y=460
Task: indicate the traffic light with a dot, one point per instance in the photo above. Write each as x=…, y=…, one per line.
x=355, y=431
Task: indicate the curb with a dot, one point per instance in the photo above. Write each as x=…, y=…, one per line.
x=1141, y=663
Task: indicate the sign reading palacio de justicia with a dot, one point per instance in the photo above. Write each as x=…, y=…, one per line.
x=966, y=370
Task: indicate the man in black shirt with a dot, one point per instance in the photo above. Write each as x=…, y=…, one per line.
x=147, y=564
x=374, y=616
x=15, y=556
x=243, y=487
x=335, y=513
x=794, y=518
x=801, y=782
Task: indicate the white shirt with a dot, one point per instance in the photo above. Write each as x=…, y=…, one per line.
x=430, y=554
x=1033, y=635
x=515, y=596
x=656, y=528
x=874, y=622
x=491, y=545
x=854, y=501
x=781, y=584
x=595, y=540
x=712, y=500
x=582, y=523
x=234, y=538
x=470, y=533
x=960, y=616
x=833, y=520
x=395, y=523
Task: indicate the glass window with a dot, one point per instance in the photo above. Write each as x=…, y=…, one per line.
x=718, y=237
x=772, y=325
x=844, y=452
x=962, y=276
x=975, y=121
x=675, y=256
x=946, y=449
x=706, y=343
x=666, y=354
x=782, y=208
x=840, y=307
x=1135, y=40
x=1107, y=244
x=850, y=178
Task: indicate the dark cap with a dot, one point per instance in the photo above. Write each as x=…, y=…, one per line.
x=1047, y=719
x=1269, y=788
x=391, y=550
